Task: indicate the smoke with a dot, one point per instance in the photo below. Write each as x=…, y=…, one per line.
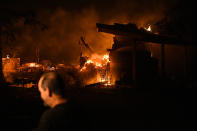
x=139, y=12
x=61, y=39
x=56, y=33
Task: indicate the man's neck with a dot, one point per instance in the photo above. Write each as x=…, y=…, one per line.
x=58, y=100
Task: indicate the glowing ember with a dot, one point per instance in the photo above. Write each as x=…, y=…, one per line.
x=89, y=61
x=106, y=57
x=32, y=65
x=98, y=64
x=83, y=68
x=149, y=28
x=8, y=56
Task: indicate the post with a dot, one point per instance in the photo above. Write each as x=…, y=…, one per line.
x=163, y=60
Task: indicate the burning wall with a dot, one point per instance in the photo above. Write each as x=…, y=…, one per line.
x=10, y=66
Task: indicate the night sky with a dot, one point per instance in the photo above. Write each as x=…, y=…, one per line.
x=175, y=11
x=13, y=7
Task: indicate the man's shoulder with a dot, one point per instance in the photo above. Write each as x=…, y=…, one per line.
x=60, y=110
x=54, y=112
x=64, y=116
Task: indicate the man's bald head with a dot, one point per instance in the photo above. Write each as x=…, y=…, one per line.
x=54, y=82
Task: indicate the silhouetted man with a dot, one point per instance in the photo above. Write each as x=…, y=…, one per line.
x=63, y=114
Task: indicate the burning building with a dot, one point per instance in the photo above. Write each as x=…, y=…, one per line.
x=10, y=66
x=133, y=59
x=94, y=67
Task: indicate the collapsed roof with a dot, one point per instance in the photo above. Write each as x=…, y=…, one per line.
x=131, y=31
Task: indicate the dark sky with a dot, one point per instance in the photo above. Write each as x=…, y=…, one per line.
x=105, y=8
x=17, y=7
x=32, y=5
x=177, y=12
x=24, y=5
x=11, y=8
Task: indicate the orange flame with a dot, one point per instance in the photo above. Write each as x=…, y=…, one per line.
x=97, y=61
x=101, y=64
x=32, y=64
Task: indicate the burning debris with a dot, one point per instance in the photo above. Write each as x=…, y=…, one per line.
x=100, y=65
x=96, y=69
x=148, y=29
x=10, y=66
x=95, y=66
x=57, y=34
x=128, y=62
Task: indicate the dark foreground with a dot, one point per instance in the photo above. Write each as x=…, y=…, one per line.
x=109, y=109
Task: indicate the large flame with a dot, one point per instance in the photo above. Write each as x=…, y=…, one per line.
x=102, y=64
x=97, y=60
